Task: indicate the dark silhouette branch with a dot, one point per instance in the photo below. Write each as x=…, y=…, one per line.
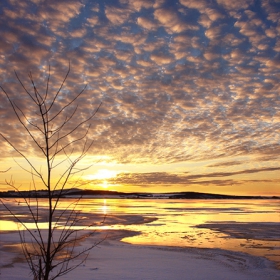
x=51, y=129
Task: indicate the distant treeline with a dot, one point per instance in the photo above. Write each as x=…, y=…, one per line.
x=68, y=193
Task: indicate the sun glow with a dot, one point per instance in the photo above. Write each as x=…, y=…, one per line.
x=102, y=174
x=105, y=184
x=100, y=178
x=104, y=207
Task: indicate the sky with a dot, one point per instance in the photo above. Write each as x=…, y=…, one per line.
x=190, y=89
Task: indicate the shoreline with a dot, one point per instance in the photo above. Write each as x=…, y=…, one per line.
x=115, y=259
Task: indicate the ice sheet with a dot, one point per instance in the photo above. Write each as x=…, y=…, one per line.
x=113, y=259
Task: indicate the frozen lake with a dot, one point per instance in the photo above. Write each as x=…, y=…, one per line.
x=250, y=226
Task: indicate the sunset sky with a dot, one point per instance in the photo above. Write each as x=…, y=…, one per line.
x=190, y=89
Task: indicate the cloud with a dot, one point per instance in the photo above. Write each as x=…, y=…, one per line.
x=213, y=14
x=179, y=81
x=235, y=5
x=146, y=23
x=193, y=4
x=205, y=21
x=172, y=22
x=225, y=164
x=138, y=5
x=272, y=10
x=185, y=179
x=161, y=59
x=117, y=15
x=213, y=33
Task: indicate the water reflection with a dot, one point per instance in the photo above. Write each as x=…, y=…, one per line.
x=175, y=222
x=104, y=207
x=8, y=225
x=12, y=226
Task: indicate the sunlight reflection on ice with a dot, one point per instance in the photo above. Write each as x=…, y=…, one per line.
x=184, y=223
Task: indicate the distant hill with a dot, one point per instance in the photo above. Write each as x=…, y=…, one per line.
x=68, y=193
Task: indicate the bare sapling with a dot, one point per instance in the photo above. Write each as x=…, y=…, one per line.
x=57, y=130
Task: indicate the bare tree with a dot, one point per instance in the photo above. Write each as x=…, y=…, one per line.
x=57, y=129
x=4, y=171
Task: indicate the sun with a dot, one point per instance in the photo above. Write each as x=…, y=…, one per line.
x=105, y=184
x=102, y=174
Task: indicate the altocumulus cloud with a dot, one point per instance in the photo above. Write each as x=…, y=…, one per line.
x=179, y=80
